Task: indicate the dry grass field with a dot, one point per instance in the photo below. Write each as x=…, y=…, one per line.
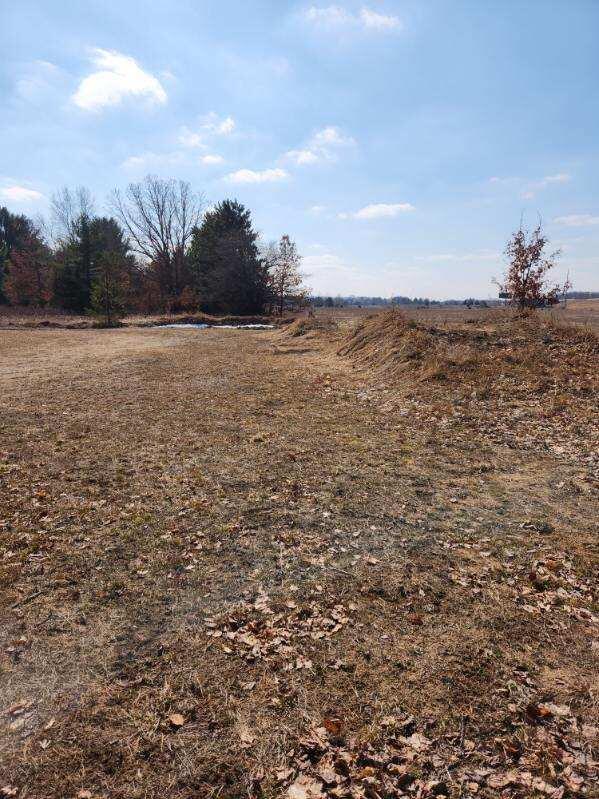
x=576, y=312
x=326, y=561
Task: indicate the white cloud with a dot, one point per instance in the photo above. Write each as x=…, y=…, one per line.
x=39, y=82
x=118, y=76
x=335, y=16
x=211, y=160
x=562, y=177
x=252, y=176
x=329, y=15
x=370, y=19
x=577, y=220
x=378, y=211
x=469, y=257
x=20, y=194
x=189, y=138
x=528, y=190
x=323, y=145
x=150, y=160
x=316, y=209
x=302, y=157
x=326, y=262
x=503, y=181
x=331, y=137
x=210, y=125
x=548, y=180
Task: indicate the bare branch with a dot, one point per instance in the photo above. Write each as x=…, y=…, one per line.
x=159, y=216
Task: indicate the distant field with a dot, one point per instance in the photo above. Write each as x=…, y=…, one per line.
x=579, y=312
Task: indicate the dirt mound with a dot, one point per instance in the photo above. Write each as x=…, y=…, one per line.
x=534, y=351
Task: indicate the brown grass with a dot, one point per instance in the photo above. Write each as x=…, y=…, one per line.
x=54, y=319
x=308, y=326
x=582, y=313
x=526, y=346
x=257, y=537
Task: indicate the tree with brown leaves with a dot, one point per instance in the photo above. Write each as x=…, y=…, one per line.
x=525, y=282
x=29, y=279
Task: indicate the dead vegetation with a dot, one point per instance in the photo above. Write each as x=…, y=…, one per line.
x=233, y=568
x=309, y=326
x=495, y=346
x=37, y=318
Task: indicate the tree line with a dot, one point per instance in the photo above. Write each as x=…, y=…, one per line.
x=159, y=249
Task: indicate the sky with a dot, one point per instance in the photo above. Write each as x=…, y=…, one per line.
x=398, y=143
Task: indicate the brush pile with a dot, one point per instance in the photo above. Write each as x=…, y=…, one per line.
x=540, y=353
x=526, y=381
x=309, y=326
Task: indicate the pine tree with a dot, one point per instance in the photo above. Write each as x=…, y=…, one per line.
x=224, y=264
x=109, y=289
x=79, y=257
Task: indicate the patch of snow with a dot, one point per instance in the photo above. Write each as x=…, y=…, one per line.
x=200, y=327
x=228, y=327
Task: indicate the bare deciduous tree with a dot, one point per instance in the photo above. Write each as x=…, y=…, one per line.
x=68, y=208
x=160, y=216
x=285, y=278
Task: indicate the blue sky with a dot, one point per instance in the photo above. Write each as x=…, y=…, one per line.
x=399, y=143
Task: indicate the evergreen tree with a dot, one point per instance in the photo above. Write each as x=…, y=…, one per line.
x=109, y=289
x=223, y=261
x=78, y=259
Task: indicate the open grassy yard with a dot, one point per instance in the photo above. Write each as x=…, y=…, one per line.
x=232, y=564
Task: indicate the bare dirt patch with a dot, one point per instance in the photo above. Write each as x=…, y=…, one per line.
x=233, y=565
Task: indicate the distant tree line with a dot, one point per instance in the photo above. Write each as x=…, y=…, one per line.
x=157, y=250
x=367, y=302
x=582, y=295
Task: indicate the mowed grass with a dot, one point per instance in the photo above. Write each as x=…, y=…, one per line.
x=214, y=543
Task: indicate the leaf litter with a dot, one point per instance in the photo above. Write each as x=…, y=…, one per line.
x=336, y=585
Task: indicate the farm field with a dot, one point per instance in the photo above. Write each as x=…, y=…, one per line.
x=264, y=564
x=577, y=312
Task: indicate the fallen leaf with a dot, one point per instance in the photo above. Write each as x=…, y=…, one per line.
x=284, y=774
x=332, y=725
x=245, y=735
x=305, y=787
x=417, y=741
x=177, y=720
